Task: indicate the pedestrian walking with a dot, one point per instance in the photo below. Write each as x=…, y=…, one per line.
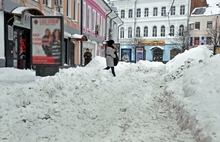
x=110, y=56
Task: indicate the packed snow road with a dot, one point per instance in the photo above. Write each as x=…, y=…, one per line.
x=88, y=104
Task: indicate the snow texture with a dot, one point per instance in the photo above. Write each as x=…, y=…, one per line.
x=146, y=102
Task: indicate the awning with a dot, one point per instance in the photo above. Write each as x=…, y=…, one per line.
x=79, y=37
x=157, y=47
x=31, y=10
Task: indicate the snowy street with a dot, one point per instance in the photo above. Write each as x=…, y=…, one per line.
x=145, y=102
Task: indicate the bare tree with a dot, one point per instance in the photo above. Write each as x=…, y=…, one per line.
x=214, y=35
x=182, y=38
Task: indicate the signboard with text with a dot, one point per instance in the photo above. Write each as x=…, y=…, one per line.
x=216, y=49
x=46, y=40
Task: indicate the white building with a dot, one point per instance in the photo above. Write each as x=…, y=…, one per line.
x=156, y=22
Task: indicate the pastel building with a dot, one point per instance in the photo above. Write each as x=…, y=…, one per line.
x=94, y=18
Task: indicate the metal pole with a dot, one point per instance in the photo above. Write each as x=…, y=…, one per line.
x=187, y=32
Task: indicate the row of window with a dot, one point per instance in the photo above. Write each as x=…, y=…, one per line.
x=155, y=12
x=154, y=32
x=93, y=20
x=197, y=41
x=71, y=4
x=196, y=25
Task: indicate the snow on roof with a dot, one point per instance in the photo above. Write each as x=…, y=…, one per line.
x=212, y=9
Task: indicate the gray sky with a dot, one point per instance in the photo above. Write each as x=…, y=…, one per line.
x=213, y=1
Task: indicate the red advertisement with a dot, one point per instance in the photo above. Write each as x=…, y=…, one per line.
x=46, y=40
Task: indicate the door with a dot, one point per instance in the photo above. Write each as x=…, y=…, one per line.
x=158, y=55
x=22, y=43
x=9, y=46
x=72, y=54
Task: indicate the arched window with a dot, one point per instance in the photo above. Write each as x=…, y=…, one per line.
x=130, y=13
x=154, y=31
x=181, y=30
x=122, y=32
x=138, y=30
x=162, y=32
x=172, y=30
x=122, y=13
x=145, y=31
x=129, y=32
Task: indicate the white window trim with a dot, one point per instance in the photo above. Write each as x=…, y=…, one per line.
x=103, y=27
x=94, y=20
x=76, y=10
x=84, y=16
x=89, y=15
x=69, y=9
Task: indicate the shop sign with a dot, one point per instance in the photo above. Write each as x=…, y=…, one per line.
x=46, y=40
x=151, y=43
x=216, y=49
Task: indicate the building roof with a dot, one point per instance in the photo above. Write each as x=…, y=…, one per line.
x=212, y=9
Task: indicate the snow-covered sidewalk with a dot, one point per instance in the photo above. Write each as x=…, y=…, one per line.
x=145, y=102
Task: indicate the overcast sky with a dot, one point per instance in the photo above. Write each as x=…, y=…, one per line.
x=212, y=1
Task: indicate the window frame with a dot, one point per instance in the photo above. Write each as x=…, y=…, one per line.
x=154, y=33
x=163, y=11
x=145, y=31
x=162, y=31
x=172, y=30
x=155, y=11
x=196, y=40
x=122, y=32
x=130, y=32
x=130, y=13
x=182, y=10
x=173, y=10
x=68, y=10
x=181, y=30
x=122, y=13
x=138, y=32
x=209, y=23
x=146, y=12
x=197, y=26
x=138, y=12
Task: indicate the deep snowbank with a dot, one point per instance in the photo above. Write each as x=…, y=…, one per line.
x=143, y=103
x=196, y=95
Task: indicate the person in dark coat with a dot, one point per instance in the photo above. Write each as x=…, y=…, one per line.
x=87, y=57
x=110, y=55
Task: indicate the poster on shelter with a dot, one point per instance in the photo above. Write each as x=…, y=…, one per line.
x=46, y=40
x=139, y=53
x=216, y=49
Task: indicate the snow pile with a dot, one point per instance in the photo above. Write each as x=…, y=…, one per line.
x=193, y=91
x=12, y=76
x=145, y=102
x=199, y=53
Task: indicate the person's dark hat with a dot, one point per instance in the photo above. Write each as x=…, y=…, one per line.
x=87, y=48
x=110, y=42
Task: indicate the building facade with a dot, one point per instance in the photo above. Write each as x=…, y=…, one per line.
x=155, y=25
x=16, y=25
x=205, y=26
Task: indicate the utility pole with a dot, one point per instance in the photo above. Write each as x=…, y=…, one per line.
x=188, y=28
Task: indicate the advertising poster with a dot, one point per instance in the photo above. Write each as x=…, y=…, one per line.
x=216, y=49
x=126, y=55
x=46, y=40
x=139, y=53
